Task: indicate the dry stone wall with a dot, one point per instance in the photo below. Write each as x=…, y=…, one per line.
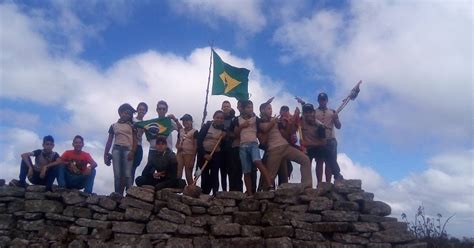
x=339, y=215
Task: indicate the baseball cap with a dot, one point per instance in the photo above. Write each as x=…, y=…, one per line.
x=308, y=107
x=187, y=117
x=322, y=96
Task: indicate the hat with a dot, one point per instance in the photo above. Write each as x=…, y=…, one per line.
x=308, y=107
x=187, y=117
x=125, y=107
x=161, y=140
x=322, y=96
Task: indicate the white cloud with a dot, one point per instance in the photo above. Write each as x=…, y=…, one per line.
x=247, y=14
x=415, y=58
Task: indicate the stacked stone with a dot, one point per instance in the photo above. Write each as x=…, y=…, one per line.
x=339, y=215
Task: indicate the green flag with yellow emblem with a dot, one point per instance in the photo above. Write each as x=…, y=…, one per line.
x=229, y=80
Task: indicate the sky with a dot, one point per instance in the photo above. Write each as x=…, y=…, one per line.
x=66, y=66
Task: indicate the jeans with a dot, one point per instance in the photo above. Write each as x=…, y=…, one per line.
x=67, y=179
x=122, y=168
x=249, y=153
x=48, y=180
x=137, y=159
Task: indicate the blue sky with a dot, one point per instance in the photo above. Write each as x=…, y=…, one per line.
x=66, y=66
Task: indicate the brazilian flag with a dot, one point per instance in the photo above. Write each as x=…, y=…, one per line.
x=156, y=127
x=228, y=80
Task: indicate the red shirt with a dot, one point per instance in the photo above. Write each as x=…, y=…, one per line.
x=81, y=159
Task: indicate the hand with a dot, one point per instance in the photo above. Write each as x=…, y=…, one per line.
x=172, y=117
x=159, y=174
x=43, y=171
x=300, y=101
x=30, y=172
x=130, y=156
x=87, y=171
x=107, y=159
x=335, y=117
x=73, y=168
x=207, y=157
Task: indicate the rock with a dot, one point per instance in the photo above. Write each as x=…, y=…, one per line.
x=43, y=206
x=238, y=242
x=412, y=245
x=107, y=203
x=116, y=216
x=219, y=219
x=375, y=218
x=137, y=214
x=310, y=244
x=127, y=227
x=132, y=202
x=379, y=245
x=308, y=235
x=401, y=226
x=230, y=210
x=306, y=217
x=251, y=231
x=249, y=204
x=326, y=227
x=262, y=195
x=202, y=201
x=179, y=243
x=103, y=234
x=53, y=233
x=12, y=191
x=59, y=217
x=172, y=216
x=72, y=198
x=16, y=206
x=297, y=208
x=35, y=225
x=93, y=223
x=99, y=209
x=247, y=218
x=141, y=193
x=33, y=216
x=347, y=186
x=161, y=226
x=34, y=196
x=392, y=236
x=98, y=216
x=36, y=188
x=191, y=230
x=278, y=231
x=159, y=204
x=198, y=221
x=289, y=189
x=77, y=244
x=198, y=210
x=216, y=210
x=274, y=217
x=293, y=199
x=346, y=206
x=93, y=199
x=201, y=242
x=168, y=194
x=283, y=242
x=232, y=229
x=6, y=221
x=180, y=207
x=78, y=230
x=339, y=216
x=376, y=208
x=336, y=196
x=360, y=196
x=224, y=202
x=236, y=195
x=302, y=225
x=348, y=238
x=115, y=196
x=17, y=242
x=320, y=204
x=365, y=227
x=81, y=212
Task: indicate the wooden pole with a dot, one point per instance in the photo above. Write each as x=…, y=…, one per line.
x=204, y=113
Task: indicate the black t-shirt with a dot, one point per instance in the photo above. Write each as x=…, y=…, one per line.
x=42, y=158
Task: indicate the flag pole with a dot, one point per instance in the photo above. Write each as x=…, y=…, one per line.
x=204, y=113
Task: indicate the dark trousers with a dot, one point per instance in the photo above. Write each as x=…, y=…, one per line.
x=137, y=159
x=210, y=175
x=235, y=169
x=160, y=183
x=48, y=180
x=331, y=149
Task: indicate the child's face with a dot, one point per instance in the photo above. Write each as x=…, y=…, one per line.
x=268, y=110
x=188, y=124
x=219, y=119
x=309, y=116
x=161, y=146
x=126, y=115
x=48, y=146
x=77, y=144
x=161, y=109
x=226, y=107
x=248, y=109
x=141, y=110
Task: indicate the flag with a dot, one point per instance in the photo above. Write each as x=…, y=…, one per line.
x=156, y=127
x=228, y=80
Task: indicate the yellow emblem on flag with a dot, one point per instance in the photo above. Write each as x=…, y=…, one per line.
x=229, y=82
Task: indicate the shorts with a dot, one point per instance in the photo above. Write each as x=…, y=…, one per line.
x=249, y=153
x=317, y=152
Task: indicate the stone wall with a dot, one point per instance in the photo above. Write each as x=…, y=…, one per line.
x=339, y=215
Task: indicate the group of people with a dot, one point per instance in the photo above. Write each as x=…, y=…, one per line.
x=228, y=146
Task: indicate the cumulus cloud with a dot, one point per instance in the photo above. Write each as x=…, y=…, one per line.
x=414, y=57
x=246, y=14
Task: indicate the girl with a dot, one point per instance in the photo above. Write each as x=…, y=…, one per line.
x=186, y=146
x=142, y=109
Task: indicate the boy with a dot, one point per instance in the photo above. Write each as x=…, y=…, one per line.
x=77, y=168
x=43, y=158
x=160, y=171
x=246, y=128
x=186, y=146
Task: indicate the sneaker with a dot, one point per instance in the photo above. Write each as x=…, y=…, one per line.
x=18, y=183
x=338, y=176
